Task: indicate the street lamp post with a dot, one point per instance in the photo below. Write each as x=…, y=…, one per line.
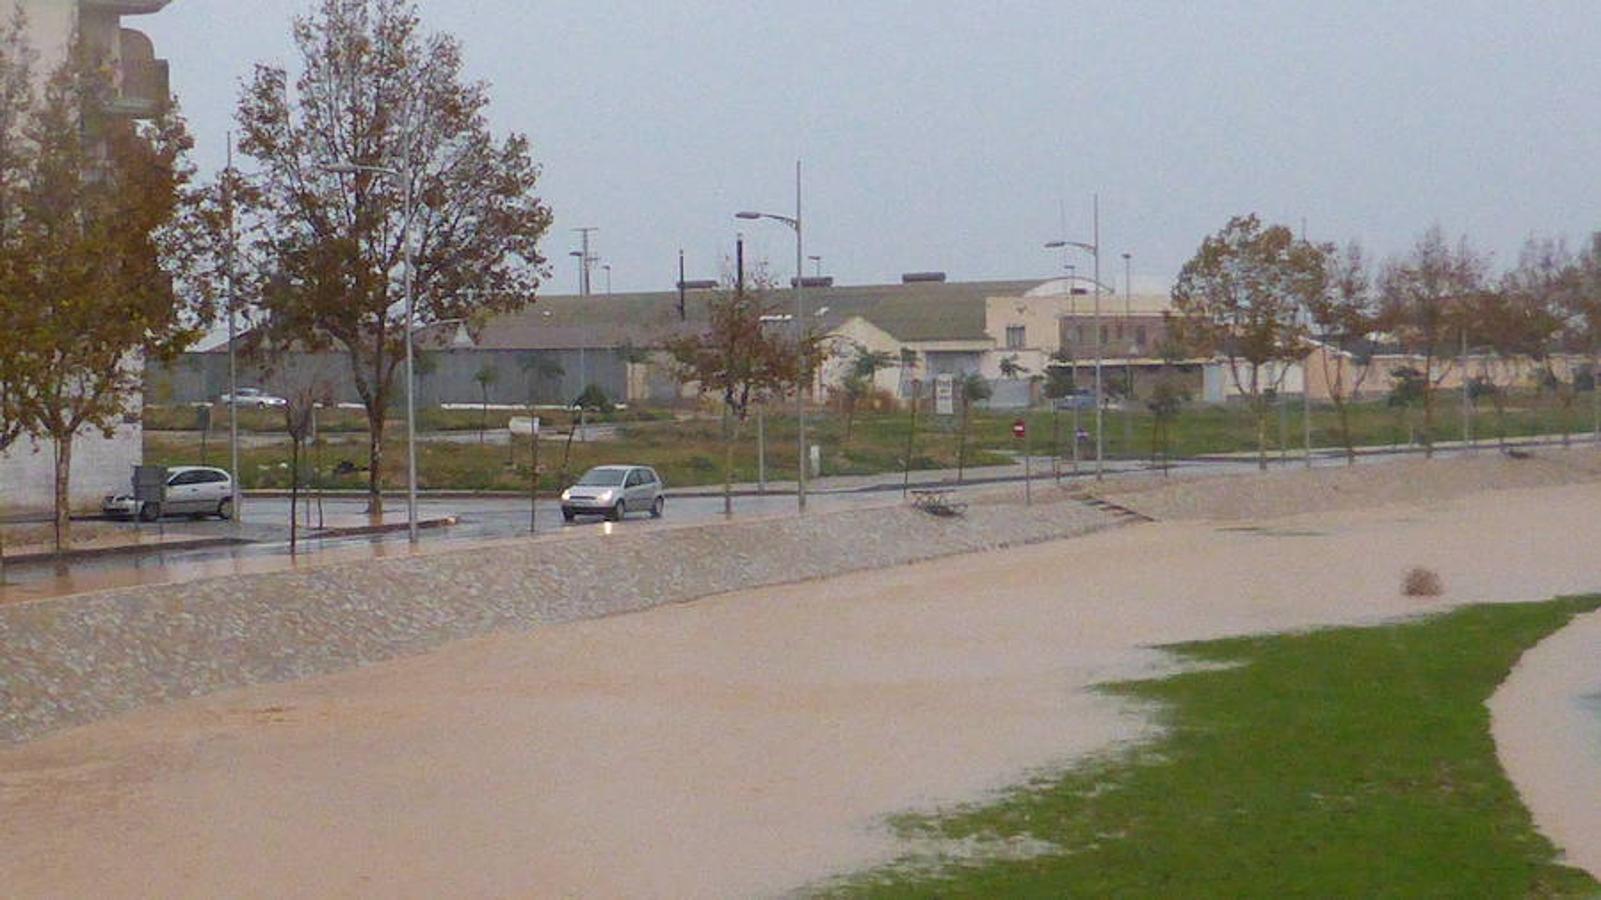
x=350, y=168
x=1129, y=349
x=800, y=323
x=1094, y=249
x=233, y=340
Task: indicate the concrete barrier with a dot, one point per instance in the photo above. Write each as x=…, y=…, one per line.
x=74, y=660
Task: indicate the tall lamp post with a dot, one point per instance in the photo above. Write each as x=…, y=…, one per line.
x=1129, y=349
x=350, y=168
x=1094, y=249
x=800, y=322
x=233, y=340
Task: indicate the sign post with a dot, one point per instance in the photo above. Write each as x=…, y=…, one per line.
x=1020, y=432
x=944, y=395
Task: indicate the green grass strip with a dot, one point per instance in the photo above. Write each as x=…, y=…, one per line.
x=1348, y=762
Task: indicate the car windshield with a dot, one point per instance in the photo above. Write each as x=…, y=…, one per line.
x=603, y=477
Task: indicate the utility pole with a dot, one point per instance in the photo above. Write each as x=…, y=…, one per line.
x=233, y=338
x=584, y=258
x=682, y=309
x=1100, y=404
x=1128, y=360
x=1306, y=379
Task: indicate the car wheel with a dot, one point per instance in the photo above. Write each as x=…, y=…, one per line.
x=617, y=512
x=568, y=515
x=225, y=509
x=657, y=507
x=150, y=512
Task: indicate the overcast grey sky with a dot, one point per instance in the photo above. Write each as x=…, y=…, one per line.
x=944, y=134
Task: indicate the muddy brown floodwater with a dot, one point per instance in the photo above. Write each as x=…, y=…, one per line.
x=747, y=744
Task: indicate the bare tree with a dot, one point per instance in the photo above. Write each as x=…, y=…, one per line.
x=1240, y=298
x=1583, y=319
x=485, y=378
x=858, y=383
x=306, y=385
x=742, y=363
x=973, y=388
x=1421, y=296
x=1344, y=316
x=1511, y=325
x=376, y=93
x=1540, y=291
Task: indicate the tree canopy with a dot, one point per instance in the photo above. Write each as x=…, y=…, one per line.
x=376, y=92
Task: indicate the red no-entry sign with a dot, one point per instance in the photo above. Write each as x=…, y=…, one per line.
x=1019, y=429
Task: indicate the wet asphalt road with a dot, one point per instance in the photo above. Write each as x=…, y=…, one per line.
x=265, y=531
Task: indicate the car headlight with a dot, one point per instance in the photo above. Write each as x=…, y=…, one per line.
x=566, y=495
x=605, y=496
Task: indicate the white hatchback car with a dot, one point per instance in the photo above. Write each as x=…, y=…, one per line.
x=614, y=492
x=253, y=398
x=189, y=490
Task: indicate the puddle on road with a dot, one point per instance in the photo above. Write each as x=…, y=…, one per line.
x=38, y=581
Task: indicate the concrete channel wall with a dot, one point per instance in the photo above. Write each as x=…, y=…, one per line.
x=79, y=659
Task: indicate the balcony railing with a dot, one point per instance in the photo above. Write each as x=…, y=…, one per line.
x=127, y=7
x=146, y=90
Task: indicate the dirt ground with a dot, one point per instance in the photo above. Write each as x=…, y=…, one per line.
x=746, y=744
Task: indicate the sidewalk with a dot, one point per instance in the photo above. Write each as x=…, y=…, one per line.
x=1491, y=442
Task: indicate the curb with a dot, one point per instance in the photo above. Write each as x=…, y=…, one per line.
x=389, y=528
x=127, y=550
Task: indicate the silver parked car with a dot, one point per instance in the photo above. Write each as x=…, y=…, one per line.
x=188, y=490
x=253, y=398
x=614, y=492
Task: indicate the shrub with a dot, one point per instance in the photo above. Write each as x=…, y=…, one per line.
x=1421, y=582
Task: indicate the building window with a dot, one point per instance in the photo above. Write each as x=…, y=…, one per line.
x=1103, y=335
x=1015, y=337
x=1139, y=336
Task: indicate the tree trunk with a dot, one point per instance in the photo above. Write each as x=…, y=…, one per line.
x=1346, y=437
x=567, y=453
x=1565, y=401
x=1056, y=444
x=1259, y=406
x=728, y=464
x=375, y=460
x=1595, y=400
x=533, y=484
x=63, y=493
x=911, y=447
x=294, y=493
x=1428, y=406
x=961, y=445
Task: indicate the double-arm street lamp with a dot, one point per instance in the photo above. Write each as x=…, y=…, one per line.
x=1093, y=248
x=800, y=322
x=350, y=168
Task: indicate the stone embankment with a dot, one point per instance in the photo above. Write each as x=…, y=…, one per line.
x=79, y=659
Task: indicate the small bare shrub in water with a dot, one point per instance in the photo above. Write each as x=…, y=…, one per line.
x=1421, y=582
